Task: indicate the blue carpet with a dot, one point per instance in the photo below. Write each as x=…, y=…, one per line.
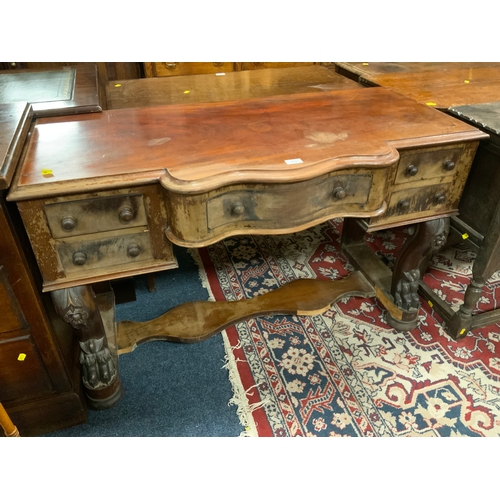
x=170, y=389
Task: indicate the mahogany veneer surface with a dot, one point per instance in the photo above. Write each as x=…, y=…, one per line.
x=202, y=146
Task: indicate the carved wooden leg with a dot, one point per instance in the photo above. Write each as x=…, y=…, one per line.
x=78, y=307
x=409, y=268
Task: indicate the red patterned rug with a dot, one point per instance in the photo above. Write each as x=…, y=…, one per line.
x=346, y=372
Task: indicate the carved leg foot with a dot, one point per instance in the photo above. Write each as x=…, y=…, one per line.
x=77, y=306
x=409, y=268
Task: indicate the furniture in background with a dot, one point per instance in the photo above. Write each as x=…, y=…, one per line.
x=39, y=371
x=40, y=376
x=54, y=91
x=108, y=194
x=470, y=92
x=160, y=69
x=228, y=87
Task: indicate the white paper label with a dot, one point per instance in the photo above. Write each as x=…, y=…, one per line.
x=293, y=161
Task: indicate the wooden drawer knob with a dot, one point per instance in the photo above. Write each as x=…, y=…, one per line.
x=411, y=170
x=126, y=214
x=339, y=193
x=68, y=223
x=439, y=198
x=133, y=250
x=449, y=165
x=403, y=205
x=237, y=209
x=79, y=258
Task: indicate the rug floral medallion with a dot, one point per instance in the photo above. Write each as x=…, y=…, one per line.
x=346, y=372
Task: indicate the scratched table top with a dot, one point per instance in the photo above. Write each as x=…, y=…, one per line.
x=273, y=139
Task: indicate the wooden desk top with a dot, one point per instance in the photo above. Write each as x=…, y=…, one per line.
x=194, y=148
x=441, y=85
x=15, y=120
x=57, y=92
x=232, y=86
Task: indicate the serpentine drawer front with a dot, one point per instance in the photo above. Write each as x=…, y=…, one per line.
x=262, y=207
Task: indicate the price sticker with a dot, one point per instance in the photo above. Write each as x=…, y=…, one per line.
x=465, y=236
x=293, y=161
x=21, y=357
x=47, y=173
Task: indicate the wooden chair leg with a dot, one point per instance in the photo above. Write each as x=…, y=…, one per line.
x=8, y=427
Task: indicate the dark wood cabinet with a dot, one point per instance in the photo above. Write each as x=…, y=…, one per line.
x=40, y=384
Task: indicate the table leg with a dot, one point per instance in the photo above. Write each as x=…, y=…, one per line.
x=396, y=290
x=79, y=307
x=411, y=263
x=487, y=261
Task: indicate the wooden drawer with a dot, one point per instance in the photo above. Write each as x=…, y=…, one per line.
x=427, y=164
x=94, y=215
x=259, y=208
x=419, y=202
x=340, y=192
x=186, y=68
x=80, y=255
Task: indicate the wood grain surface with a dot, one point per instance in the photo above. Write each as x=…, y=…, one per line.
x=230, y=142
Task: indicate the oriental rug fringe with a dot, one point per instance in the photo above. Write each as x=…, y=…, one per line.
x=346, y=372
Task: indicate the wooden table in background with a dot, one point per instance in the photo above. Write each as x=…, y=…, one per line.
x=228, y=87
x=54, y=92
x=105, y=195
x=471, y=92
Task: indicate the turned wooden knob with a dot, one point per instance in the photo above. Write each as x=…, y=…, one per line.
x=126, y=214
x=133, y=250
x=339, y=193
x=411, y=170
x=439, y=198
x=403, y=205
x=68, y=223
x=79, y=258
x=449, y=165
x=238, y=209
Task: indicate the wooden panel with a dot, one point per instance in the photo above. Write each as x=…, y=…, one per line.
x=12, y=317
x=22, y=372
